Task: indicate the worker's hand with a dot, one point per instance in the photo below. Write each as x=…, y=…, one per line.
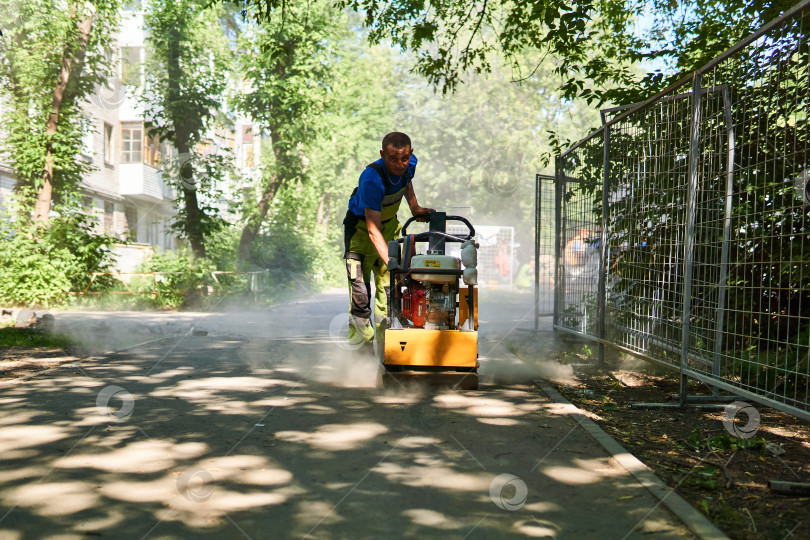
x=423, y=214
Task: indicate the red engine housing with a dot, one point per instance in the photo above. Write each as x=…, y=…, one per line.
x=414, y=305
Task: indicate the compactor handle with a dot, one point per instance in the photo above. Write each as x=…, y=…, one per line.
x=448, y=218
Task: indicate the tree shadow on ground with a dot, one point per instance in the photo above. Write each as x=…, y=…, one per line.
x=262, y=438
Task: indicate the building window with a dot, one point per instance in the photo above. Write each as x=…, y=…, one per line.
x=131, y=143
x=108, y=143
x=152, y=233
x=168, y=238
x=153, y=152
x=167, y=151
x=88, y=132
x=109, y=213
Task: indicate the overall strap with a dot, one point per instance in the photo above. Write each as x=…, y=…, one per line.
x=384, y=174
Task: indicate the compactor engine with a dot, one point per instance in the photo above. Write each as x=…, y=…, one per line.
x=433, y=305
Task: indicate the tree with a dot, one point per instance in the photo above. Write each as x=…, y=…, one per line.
x=302, y=237
x=594, y=42
x=44, y=119
x=683, y=36
x=288, y=67
x=482, y=146
x=187, y=71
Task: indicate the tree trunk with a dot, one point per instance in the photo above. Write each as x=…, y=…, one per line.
x=71, y=67
x=324, y=212
x=193, y=225
x=251, y=228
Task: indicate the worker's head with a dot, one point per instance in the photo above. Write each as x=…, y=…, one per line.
x=396, y=152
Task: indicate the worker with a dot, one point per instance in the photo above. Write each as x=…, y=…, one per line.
x=370, y=223
x=576, y=249
x=525, y=277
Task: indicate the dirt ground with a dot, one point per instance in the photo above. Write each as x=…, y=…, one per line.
x=16, y=362
x=722, y=476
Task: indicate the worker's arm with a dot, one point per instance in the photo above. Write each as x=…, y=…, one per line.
x=416, y=210
x=375, y=233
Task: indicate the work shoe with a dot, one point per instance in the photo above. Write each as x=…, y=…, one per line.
x=360, y=330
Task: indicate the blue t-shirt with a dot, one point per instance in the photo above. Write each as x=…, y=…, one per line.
x=371, y=189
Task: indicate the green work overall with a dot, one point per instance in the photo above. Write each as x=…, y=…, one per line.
x=362, y=260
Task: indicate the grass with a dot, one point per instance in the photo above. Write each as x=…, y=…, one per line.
x=24, y=337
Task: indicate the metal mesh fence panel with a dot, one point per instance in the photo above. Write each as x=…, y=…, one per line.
x=579, y=175
x=545, y=230
x=701, y=196
x=751, y=279
x=646, y=210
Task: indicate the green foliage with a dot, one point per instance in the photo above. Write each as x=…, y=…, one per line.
x=187, y=70
x=24, y=337
x=705, y=477
x=596, y=44
x=204, y=173
x=182, y=279
x=698, y=441
x=298, y=261
x=482, y=146
x=40, y=264
x=322, y=100
x=187, y=282
x=31, y=48
x=455, y=38
x=682, y=37
x=216, y=282
x=290, y=64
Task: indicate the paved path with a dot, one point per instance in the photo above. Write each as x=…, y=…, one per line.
x=267, y=428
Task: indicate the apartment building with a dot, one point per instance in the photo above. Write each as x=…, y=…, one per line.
x=126, y=191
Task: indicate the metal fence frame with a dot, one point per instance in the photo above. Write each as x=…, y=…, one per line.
x=694, y=140
x=544, y=210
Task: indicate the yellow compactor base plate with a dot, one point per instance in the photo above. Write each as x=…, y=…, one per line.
x=447, y=379
x=439, y=348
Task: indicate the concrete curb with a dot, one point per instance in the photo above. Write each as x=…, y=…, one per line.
x=694, y=520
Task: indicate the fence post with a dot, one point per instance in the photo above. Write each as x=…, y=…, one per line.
x=721, y=295
x=603, y=252
x=689, y=237
x=559, y=287
x=537, y=223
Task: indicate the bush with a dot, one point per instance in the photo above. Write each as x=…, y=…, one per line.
x=182, y=281
x=41, y=263
x=185, y=282
x=298, y=261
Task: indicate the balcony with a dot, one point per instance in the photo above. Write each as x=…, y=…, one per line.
x=142, y=182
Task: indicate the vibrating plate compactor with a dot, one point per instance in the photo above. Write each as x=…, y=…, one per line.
x=433, y=307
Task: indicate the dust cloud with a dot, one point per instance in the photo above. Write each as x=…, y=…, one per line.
x=303, y=340
x=508, y=369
